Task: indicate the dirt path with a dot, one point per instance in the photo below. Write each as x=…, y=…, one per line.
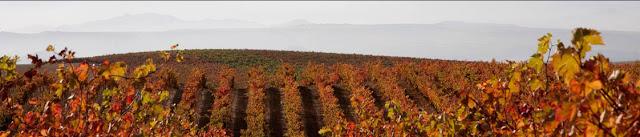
x=343, y=101
x=422, y=101
x=176, y=95
x=310, y=109
x=239, y=105
x=377, y=96
x=275, y=121
x=205, y=100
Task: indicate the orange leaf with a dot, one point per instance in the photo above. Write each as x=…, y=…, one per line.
x=5, y=134
x=81, y=71
x=43, y=132
x=33, y=101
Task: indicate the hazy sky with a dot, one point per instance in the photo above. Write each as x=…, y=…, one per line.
x=597, y=14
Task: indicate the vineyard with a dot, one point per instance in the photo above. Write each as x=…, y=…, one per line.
x=559, y=91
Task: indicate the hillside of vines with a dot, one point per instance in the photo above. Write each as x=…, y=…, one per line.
x=559, y=91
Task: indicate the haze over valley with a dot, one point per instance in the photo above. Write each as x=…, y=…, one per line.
x=446, y=40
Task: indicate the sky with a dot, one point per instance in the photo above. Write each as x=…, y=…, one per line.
x=603, y=15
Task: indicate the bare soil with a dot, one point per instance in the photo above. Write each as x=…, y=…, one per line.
x=239, y=105
x=310, y=104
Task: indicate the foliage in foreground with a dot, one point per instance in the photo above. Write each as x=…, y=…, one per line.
x=561, y=93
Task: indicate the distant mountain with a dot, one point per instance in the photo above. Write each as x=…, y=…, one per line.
x=447, y=40
x=293, y=23
x=153, y=22
x=32, y=29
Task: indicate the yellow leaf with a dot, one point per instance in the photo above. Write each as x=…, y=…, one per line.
x=115, y=71
x=514, y=83
x=164, y=95
x=58, y=89
x=461, y=114
x=536, y=62
x=324, y=131
x=596, y=85
x=471, y=104
x=543, y=43
x=50, y=48
x=565, y=65
x=179, y=57
x=594, y=39
x=153, y=123
x=144, y=70
x=583, y=38
x=591, y=130
x=627, y=78
x=536, y=84
x=165, y=55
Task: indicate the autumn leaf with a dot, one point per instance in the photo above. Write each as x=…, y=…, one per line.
x=565, y=65
x=33, y=101
x=165, y=55
x=583, y=38
x=146, y=98
x=50, y=48
x=593, y=85
x=543, y=43
x=324, y=131
x=82, y=70
x=565, y=112
x=58, y=88
x=163, y=95
x=536, y=62
x=179, y=57
x=471, y=103
x=514, y=83
x=536, y=84
x=591, y=130
x=594, y=39
x=144, y=70
x=5, y=133
x=117, y=69
x=44, y=132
